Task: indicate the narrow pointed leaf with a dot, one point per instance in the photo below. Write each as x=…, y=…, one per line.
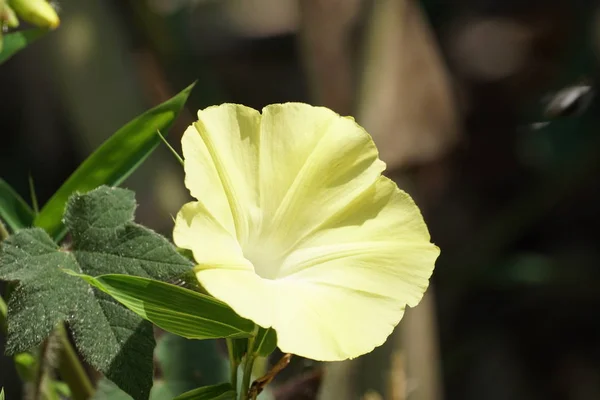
x=17, y=41
x=223, y=391
x=14, y=211
x=177, y=310
x=111, y=338
x=114, y=160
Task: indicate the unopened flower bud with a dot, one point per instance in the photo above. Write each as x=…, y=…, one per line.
x=36, y=12
x=8, y=17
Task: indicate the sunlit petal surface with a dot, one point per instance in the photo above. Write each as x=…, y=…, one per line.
x=295, y=228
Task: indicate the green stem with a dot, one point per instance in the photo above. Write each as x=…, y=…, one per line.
x=244, y=391
x=71, y=370
x=233, y=364
x=248, y=364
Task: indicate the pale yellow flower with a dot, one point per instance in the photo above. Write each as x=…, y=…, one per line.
x=296, y=229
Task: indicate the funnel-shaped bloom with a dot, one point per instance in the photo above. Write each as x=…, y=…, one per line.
x=295, y=228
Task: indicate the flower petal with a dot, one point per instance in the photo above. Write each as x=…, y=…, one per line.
x=378, y=244
x=314, y=321
x=369, y=262
x=346, y=287
x=312, y=163
x=221, y=164
x=210, y=242
x=248, y=294
x=332, y=324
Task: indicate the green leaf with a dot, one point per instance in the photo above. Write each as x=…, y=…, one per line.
x=17, y=41
x=177, y=310
x=266, y=342
x=105, y=240
x=114, y=160
x=13, y=209
x=222, y=391
x=2, y=394
x=182, y=364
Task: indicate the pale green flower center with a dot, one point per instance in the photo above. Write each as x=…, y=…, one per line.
x=264, y=260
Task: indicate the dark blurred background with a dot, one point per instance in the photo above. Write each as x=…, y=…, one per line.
x=484, y=110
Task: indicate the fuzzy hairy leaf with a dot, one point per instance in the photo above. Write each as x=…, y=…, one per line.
x=105, y=240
